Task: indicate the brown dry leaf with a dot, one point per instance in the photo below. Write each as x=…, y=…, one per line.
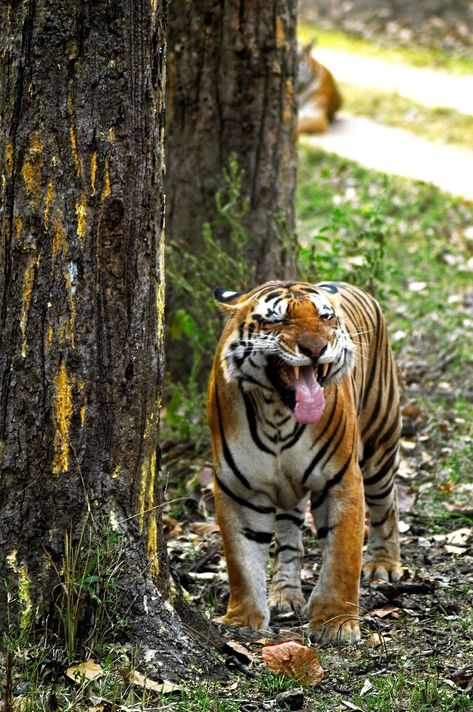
x=391, y=611
x=411, y=411
x=165, y=687
x=458, y=507
x=100, y=708
x=293, y=659
x=446, y=487
x=233, y=647
x=374, y=641
x=88, y=670
x=204, y=527
x=171, y=525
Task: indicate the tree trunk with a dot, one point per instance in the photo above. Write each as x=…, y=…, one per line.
x=232, y=69
x=81, y=290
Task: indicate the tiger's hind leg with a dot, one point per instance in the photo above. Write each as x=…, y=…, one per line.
x=382, y=560
x=286, y=592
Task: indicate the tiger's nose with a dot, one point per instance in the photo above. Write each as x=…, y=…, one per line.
x=313, y=351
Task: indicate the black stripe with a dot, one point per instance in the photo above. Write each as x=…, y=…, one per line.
x=272, y=295
x=251, y=418
x=331, y=483
x=250, y=379
x=258, y=537
x=287, y=547
x=244, y=502
x=382, y=494
x=383, y=471
x=371, y=446
x=289, y=518
x=226, y=450
x=382, y=521
x=334, y=449
x=375, y=352
x=295, y=438
x=323, y=532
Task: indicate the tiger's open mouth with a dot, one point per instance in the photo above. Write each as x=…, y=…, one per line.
x=300, y=387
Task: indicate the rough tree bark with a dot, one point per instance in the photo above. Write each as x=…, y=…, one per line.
x=81, y=299
x=231, y=79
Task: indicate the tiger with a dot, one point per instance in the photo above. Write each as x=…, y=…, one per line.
x=303, y=404
x=317, y=93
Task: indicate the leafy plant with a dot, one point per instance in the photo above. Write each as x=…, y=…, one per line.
x=88, y=590
x=196, y=322
x=350, y=247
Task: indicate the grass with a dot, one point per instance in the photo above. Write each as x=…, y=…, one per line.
x=389, y=108
x=418, y=56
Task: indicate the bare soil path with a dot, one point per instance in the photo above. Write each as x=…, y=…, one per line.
x=399, y=152
x=431, y=87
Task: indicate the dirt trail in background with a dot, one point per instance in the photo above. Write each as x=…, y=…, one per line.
x=393, y=150
x=398, y=152
x=431, y=87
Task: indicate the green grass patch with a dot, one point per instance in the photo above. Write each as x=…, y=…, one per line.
x=389, y=108
x=418, y=56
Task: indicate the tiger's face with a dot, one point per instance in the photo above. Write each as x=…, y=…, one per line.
x=286, y=337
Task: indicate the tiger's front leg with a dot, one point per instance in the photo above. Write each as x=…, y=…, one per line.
x=338, y=511
x=286, y=592
x=246, y=525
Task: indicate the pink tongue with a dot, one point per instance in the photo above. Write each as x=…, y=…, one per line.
x=309, y=397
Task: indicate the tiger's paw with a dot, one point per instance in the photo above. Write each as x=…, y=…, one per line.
x=332, y=623
x=243, y=617
x=340, y=629
x=383, y=570
x=285, y=601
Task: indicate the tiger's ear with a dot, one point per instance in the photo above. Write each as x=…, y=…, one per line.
x=333, y=293
x=227, y=299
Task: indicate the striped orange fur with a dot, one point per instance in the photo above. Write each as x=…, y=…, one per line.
x=317, y=94
x=304, y=403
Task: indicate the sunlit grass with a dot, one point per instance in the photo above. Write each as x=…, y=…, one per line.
x=434, y=124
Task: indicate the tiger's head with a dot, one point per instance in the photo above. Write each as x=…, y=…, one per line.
x=286, y=337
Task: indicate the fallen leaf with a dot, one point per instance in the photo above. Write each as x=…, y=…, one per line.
x=449, y=548
x=412, y=411
x=88, y=670
x=391, y=611
x=165, y=687
x=403, y=527
x=350, y=705
x=446, y=487
x=374, y=641
x=458, y=507
x=171, y=525
x=460, y=536
x=203, y=575
x=233, y=647
x=204, y=527
x=367, y=687
x=293, y=659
